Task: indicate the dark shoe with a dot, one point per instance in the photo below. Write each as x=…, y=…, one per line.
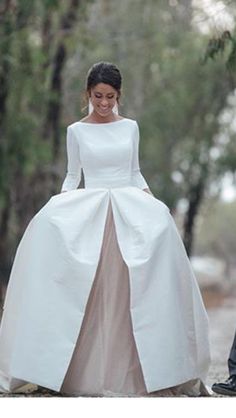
x=226, y=388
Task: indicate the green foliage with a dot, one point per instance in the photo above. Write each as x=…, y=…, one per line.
x=27, y=81
x=226, y=42
x=30, y=32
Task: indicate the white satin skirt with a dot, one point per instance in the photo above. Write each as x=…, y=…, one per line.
x=102, y=301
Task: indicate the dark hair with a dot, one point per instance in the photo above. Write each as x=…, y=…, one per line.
x=104, y=72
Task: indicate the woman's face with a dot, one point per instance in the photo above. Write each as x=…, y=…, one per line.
x=103, y=98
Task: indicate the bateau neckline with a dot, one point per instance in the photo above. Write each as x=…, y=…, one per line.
x=102, y=123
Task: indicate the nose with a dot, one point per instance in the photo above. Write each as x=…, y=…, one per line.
x=104, y=102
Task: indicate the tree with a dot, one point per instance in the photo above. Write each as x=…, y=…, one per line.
x=34, y=48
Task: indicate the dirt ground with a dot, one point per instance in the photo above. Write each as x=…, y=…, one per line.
x=221, y=308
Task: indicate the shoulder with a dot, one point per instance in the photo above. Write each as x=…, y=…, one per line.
x=131, y=124
x=135, y=127
x=75, y=128
x=73, y=125
x=132, y=121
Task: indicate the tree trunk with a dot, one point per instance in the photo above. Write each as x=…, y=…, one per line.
x=4, y=250
x=51, y=127
x=195, y=200
x=6, y=30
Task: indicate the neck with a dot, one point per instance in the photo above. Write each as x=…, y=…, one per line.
x=99, y=119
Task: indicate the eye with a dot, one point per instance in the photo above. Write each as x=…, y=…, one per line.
x=98, y=95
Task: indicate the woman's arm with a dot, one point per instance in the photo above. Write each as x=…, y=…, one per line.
x=73, y=175
x=137, y=178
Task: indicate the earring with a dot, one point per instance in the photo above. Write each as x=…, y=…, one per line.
x=90, y=107
x=115, y=109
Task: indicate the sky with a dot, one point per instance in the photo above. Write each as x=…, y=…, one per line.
x=212, y=16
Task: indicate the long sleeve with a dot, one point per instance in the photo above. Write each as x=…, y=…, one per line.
x=137, y=177
x=73, y=175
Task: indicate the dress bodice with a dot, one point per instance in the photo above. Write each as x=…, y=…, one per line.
x=108, y=153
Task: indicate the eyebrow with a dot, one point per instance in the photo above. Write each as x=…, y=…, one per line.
x=98, y=92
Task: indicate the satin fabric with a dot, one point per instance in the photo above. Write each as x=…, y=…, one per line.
x=52, y=277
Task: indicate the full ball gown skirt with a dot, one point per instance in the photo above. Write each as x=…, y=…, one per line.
x=102, y=299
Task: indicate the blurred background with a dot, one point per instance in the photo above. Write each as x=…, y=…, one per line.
x=178, y=61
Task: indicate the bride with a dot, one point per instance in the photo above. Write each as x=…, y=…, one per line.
x=102, y=299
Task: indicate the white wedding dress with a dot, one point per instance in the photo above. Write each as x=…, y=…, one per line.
x=102, y=299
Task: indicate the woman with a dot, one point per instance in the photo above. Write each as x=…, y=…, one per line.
x=102, y=299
